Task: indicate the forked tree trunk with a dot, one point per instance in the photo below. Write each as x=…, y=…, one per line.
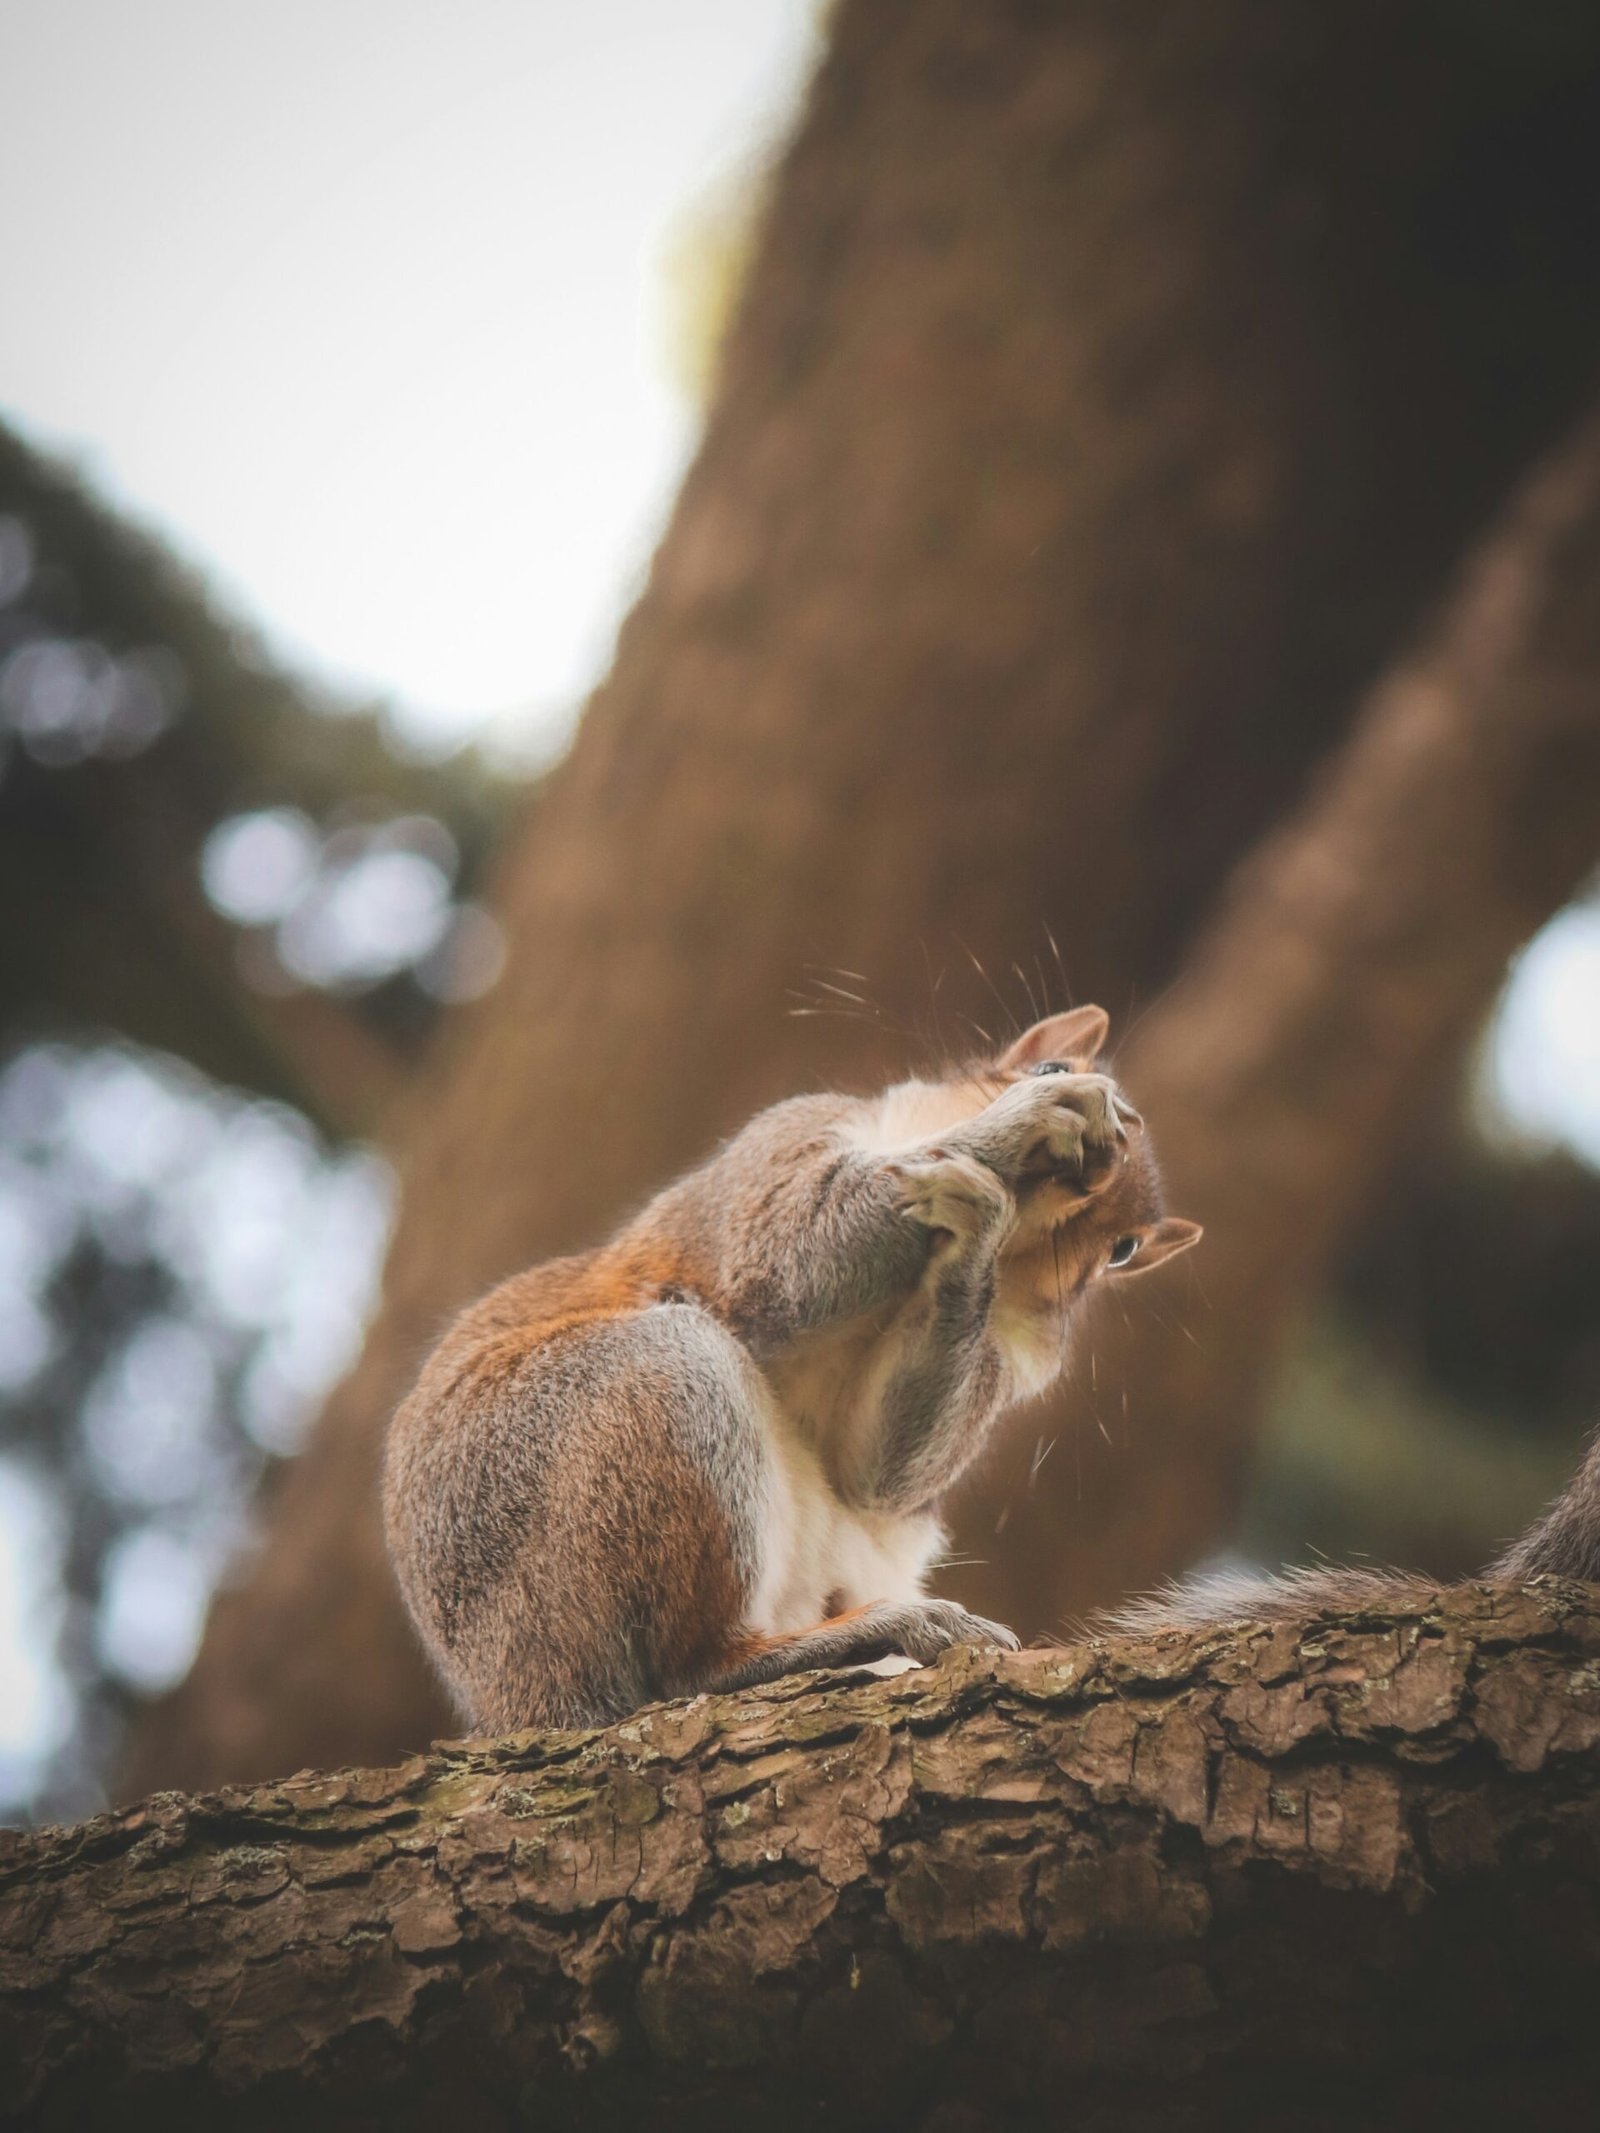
x=1114, y=387
x=1352, y=959
x=1313, y=1877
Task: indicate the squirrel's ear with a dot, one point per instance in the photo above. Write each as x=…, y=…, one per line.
x=1170, y=1235
x=1078, y=1034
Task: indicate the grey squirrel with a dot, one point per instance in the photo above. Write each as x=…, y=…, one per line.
x=712, y=1451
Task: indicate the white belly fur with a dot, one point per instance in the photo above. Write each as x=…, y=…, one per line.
x=818, y=1553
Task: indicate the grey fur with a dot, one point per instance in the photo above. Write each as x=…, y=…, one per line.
x=802, y=1228
x=530, y=1583
x=1213, y=1597
x=920, y=1629
x=948, y=1383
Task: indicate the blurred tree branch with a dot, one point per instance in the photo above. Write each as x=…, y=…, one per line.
x=1349, y=962
x=102, y=854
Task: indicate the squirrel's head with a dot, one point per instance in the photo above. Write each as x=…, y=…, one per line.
x=1108, y=1218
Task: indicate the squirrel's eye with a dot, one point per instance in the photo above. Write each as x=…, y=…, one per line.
x=1052, y=1066
x=1122, y=1251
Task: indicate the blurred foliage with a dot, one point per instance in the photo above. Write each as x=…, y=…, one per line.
x=1362, y=1460
x=1449, y=1379
x=237, y=907
x=183, y=1269
x=707, y=258
x=710, y=248
x=1478, y=1276
x=136, y=719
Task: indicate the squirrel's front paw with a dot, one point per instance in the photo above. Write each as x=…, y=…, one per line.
x=1057, y=1122
x=925, y=1628
x=953, y=1193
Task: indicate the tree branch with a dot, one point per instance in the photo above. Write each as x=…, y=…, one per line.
x=1349, y=1867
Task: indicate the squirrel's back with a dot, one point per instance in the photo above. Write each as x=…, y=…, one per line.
x=546, y=1591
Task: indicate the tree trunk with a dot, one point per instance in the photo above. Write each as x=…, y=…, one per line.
x=1111, y=392
x=1344, y=1872
x=1352, y=959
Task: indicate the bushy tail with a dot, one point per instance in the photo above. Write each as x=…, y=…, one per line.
x=1565, y=1542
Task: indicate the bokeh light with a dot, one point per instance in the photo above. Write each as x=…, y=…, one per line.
x=231, y=1256
x=1541, y=1084
x=351, y=907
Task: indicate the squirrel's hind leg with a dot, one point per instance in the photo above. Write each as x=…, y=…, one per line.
x=920, y=1629
x=625, y=1462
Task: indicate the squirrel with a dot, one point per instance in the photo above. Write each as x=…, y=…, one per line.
x=712, y=1451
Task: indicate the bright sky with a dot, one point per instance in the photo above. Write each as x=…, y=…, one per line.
x=360, y=301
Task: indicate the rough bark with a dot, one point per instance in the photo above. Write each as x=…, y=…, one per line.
x=1111, y=392
x=1333, y=1872
x=1350, y=962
